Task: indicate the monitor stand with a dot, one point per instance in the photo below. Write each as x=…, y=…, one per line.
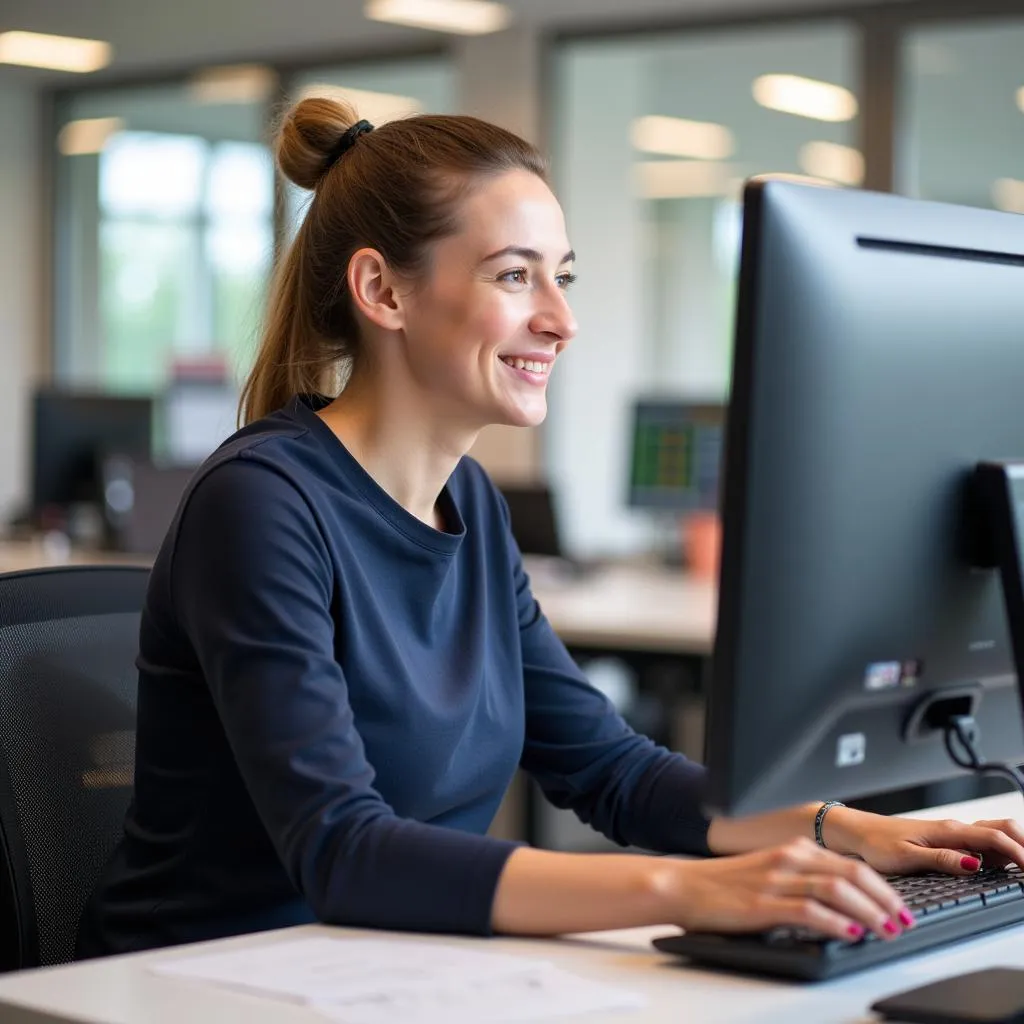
x=994, y=533
x=998, y=507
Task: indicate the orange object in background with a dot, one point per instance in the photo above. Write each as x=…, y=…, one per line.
x=702, y=543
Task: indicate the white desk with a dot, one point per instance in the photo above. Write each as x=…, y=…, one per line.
x=120, y=990
x=643, y=608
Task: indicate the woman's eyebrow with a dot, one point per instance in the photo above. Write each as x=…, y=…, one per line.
x=530, y=255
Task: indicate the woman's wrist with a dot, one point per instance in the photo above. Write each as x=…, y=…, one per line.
x=843, y=828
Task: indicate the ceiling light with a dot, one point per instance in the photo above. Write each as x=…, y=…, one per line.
x=88, y=135
x=1020, y=99
x=682, y=179
x=375, y=107
x=57, y=53
x=830, y=160
x=1008, y=195
x=674, y=136
x=806, y=97
x=235, y=83
x=463, y=17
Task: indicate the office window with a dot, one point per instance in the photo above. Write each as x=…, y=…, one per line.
x=652, y=139
x=961, y=127
x=164, y=235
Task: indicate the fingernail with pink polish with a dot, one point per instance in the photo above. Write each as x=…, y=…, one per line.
x=891, y=928
x=907, y=918
x=855, y=931
x=970, y=863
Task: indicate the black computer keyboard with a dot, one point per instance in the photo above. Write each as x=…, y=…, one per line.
x=946, y=909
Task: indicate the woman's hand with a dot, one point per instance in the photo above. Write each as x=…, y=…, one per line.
x=902, y=846
x=797, y=883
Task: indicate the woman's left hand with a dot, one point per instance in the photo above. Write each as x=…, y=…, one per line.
x=903, y=846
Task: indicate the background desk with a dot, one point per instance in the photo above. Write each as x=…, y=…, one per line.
x=120, y=990
x=633, y=608
x=37, y=552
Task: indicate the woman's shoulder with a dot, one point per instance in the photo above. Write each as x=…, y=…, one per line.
x=473, y=489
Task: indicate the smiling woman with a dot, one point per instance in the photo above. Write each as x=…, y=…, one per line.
x=341, y=661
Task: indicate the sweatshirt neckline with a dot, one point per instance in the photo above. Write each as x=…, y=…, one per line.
x=305, y=408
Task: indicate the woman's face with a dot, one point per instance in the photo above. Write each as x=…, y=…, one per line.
x=486, y=324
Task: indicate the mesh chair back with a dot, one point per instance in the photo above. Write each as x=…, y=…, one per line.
x=68, y=643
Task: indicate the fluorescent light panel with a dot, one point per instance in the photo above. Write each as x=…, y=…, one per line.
x=843, y=164
x=1008, y=195
x=805, y=97
x=57, y=53
x=682, y=179
x=375, y=107
x=234, y=83
x=675, y=136
x=88, y=135
x=462, y=17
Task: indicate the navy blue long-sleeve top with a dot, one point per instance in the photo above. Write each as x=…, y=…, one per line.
x=333, y=698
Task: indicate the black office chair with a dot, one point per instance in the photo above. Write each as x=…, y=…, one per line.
x=68, y=642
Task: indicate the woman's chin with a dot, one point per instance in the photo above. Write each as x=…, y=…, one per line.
x=531, y=415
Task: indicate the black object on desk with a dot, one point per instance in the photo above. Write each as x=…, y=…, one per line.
x=994, y=996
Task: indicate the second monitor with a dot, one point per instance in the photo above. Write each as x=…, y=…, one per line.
x=676, y=455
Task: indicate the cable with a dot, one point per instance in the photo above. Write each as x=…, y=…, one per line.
x=964, y=728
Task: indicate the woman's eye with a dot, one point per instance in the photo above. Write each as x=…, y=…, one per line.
x=514, y=276
x=564, y=280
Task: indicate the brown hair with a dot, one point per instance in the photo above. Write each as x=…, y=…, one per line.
x=396, y=189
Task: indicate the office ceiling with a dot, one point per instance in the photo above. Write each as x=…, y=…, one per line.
x=148, y=35
x=963, y=79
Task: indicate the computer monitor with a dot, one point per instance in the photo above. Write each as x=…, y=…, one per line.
x=71, y=433
x=676, y=456
x=879, y=357
x=140, y=498
x=533, y=520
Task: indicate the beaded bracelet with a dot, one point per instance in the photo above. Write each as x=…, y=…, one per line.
x=819, y=820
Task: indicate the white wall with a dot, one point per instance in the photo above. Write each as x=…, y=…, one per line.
x=21, y=327
x=588, y=427
x=499, y=80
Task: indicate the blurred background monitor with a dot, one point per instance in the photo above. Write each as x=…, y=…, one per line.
x=676, y=456
x=196, y=415
x=533, y=518
x=72, y=432
x=878, y=359
x=140, y=499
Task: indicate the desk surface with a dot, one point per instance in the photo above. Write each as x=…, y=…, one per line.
x=121, y=990
x=49, y=552
x=633, y=607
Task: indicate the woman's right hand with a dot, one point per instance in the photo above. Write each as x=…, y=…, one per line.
x=798, y=884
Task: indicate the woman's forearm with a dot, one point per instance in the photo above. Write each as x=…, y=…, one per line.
x=743, y=835
x=545, y=893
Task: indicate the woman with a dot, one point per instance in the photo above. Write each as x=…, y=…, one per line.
x=341, y=664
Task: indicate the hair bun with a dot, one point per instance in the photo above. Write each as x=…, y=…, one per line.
x=310, y=136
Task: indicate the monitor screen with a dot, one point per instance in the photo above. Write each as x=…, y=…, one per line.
x=676, y=456
x=879, y=357
x=72, y=432
x=532, y=519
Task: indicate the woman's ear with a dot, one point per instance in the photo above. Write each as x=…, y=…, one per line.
x=373, y=287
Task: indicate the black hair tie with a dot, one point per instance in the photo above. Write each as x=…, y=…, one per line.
x=346, y=142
